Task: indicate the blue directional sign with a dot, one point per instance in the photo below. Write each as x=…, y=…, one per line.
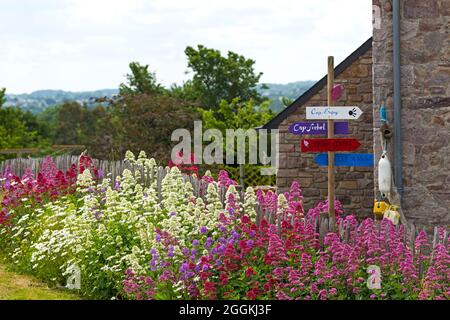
x=347, y=160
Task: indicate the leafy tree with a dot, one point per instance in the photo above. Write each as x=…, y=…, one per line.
x=185, y=92
x=48, y=120
x=19, y=129
x=2, y=96
x=236, y=115
x=77, y=124
x=70, y=121
x=218, y=78
x=286, y=101
x=140, y=81
x=146, y=122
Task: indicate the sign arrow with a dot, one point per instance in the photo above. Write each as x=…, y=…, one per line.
x=347, y=160
x=321, y=145
x=317, y=128
x=333, y=113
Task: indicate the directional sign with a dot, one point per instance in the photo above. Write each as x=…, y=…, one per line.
x=347, y=160
x=333, y=113
x=321, y=145
x=318, y=127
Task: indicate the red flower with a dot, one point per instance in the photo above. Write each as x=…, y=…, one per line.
x=245, y=219
x=223, y=279
x=210, y=289
x=252, y=294
x=249, y=272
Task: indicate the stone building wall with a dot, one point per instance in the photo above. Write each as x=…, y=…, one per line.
x=354, y=186
x=425, y=115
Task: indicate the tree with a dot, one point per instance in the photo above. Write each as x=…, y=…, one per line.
x=140, y=81
x=48, y=119
x=2, y=96
x=146, y=122
x=20, y=129
x=236, y=115
x=77, y=124
x=185, y=92
x=218, y=78
x=286, y=101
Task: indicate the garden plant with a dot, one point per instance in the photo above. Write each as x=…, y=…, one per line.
x=156, y=233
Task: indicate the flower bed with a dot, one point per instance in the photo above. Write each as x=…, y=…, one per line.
x=179, y=238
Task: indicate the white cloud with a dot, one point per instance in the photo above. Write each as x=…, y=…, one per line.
x=87, y=44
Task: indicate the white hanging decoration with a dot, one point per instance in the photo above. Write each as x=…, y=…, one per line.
x=384, y=175
x=392, y=214
x=374, y=280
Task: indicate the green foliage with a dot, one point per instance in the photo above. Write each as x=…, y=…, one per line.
x=77, y=124
x=19, y=129
x=146, y=122
x=286, y=101
x=140, y=81
x=185, y=92
x=218, y=78
x=48, y=119
x=2, y=96
x=235, y=115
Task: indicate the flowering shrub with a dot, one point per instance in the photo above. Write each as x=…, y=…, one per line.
x=179, y=163
x=49, y=184
x=174, y=238
x=246, y=260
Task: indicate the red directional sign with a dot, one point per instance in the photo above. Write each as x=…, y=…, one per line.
x=334, y=145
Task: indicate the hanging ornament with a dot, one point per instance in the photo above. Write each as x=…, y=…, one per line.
x=380, y=208
x=383, y=114
x=392, y=214
x=336, y=92
x=384, y=175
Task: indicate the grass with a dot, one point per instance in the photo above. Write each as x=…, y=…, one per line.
x=21, y=287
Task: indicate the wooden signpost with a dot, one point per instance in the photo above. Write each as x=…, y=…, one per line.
x=331, y=145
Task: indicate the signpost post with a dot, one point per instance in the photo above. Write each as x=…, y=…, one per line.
x=330, y=86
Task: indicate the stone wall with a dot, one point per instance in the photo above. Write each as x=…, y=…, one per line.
x=425, y=68
x=354, y=185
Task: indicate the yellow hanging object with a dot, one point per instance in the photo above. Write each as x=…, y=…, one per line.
x=392, y=214
x=379, y=208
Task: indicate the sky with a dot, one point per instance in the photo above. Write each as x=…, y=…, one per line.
x=79, y=45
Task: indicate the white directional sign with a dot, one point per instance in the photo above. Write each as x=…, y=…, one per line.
x=333, y=113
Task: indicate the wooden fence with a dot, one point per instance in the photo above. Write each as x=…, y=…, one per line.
x=63, y=162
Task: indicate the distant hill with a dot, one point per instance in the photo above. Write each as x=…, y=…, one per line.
x=38, y=101
x=291, y=90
